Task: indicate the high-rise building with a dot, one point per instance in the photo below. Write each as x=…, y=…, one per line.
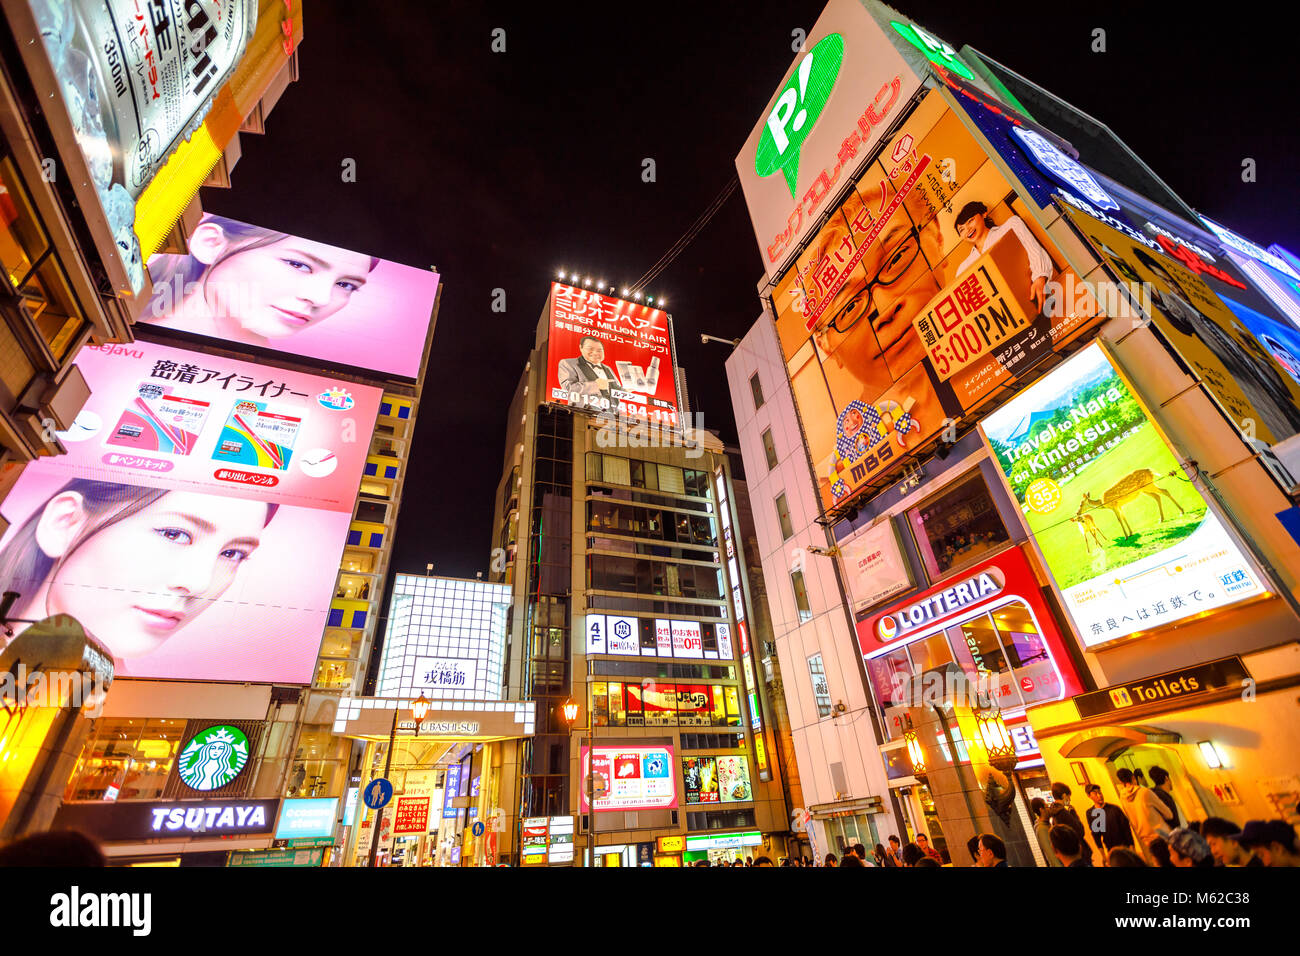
x=1025, y=428
x=616, y=524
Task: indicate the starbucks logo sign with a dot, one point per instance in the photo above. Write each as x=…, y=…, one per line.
x=213, y=758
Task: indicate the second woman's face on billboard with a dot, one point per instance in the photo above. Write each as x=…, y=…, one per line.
x=279, y=289
x=139, y=581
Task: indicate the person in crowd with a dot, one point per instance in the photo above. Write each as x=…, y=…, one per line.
x=851, y=860
x=911, y=853
x=1064, y=813
x=1147, y=816
x=973, y=848
x=1273, y=841
x=1158, y=850
x=992, y=851
x=1106, y=821
x=830, y=860
x=1124, y=856
x=749, y=861
x=701, y=863
x=927, y=861
x=62, y=848
x=860, y=852
x=923, y=842
x=1163, y=788
x=891, y=852
x=1222, y=836
x=879, y=854
x=1042, y=830
x=1068, y=849
x=1187, y=848
x=763, y=861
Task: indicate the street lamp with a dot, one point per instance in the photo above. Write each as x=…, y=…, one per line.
x=569, y=712
x=916, y=754
x=420, y=708
x=1001, y=751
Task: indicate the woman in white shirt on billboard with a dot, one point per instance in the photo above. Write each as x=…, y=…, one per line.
x=975, y=226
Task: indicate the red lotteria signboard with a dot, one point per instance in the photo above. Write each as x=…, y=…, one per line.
x=999, y=585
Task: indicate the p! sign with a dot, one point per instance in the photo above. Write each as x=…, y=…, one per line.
x=797, y=109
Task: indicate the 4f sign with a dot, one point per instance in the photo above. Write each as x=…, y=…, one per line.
x=798, y=107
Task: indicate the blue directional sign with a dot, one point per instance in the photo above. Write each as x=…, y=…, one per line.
x=378, y=792
x=477, y=828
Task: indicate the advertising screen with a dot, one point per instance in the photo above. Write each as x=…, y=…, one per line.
x=248, y=285
x=1255, y=391
x=842, y=92
x=307, y=819
x=195, y=524
x=610, y=356
x=630, y=778
x=700, y=779
x=733, y=779
x=925, y=293
x=1129, y=540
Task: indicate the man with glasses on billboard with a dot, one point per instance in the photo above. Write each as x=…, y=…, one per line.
x=587, y=375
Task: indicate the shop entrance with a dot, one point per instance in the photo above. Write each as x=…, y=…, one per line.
x=921, y=816
x=1143, y=759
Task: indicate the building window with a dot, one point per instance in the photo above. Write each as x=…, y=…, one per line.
x=757, y=388
x=801, y=597
x=821, y=690
x=125, y=760
x=769, y=449
x=957, y=527
x=783, y=514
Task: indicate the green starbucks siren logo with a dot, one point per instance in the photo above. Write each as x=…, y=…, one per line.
x=213, y=758
x=797, y=110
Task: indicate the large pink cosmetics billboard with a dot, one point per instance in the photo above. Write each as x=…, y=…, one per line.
x=196, y=523
x=248, y=285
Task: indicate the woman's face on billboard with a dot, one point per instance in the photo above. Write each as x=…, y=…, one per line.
x=279, y=289
x=140, y=580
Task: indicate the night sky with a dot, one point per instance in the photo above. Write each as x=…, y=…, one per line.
x=502, y=168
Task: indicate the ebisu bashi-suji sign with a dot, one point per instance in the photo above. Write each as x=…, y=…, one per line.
x=213, y=758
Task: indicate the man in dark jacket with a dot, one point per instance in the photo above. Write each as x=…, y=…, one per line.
x=1106, y=821
x=1065, y=814
x=1067, y=846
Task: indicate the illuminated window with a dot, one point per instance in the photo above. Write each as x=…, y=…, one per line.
x=783, y=515
x=769, y=449
x=801, y=596
x=125, y=759
x=957, y=527
x=821, y=689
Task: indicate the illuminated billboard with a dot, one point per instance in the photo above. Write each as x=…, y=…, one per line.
x=248, y=285
x=611, y=357
x=1128, y=538
x=843, y=91
x=1256, y=391
x=923, y=296
x=630, y=778
x=136, y=79
x=196, y=523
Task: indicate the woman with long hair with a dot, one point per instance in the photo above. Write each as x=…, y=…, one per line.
x=247, y=284
x=133, y=565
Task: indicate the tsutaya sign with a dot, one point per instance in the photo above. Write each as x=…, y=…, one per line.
x=974, y=589
x=130, y=821
x=230, y=818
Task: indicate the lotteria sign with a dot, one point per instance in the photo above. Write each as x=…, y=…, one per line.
x=951, y=600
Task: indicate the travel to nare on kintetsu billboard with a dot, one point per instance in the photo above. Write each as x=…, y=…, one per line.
x=248, y=285
x=1127, y=536
x=924, y=294
x=196, y=523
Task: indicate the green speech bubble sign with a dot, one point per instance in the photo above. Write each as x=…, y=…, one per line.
x=797, y=109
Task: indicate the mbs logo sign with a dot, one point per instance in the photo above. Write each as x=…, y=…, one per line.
x=1120, y=697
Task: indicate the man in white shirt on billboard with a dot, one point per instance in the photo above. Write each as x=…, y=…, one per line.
x=587, y=374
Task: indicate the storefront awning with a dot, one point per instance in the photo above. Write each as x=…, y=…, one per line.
x=1108, y=740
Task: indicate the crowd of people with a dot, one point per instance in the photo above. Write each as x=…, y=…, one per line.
x=1145, y=830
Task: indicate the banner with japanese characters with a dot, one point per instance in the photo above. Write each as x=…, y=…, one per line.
x=1127, y=536
x=611, y=357
x=248, y=285
x=925, y=292
x=196, y=523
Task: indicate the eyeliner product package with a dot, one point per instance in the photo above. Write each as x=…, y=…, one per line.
x=254, y=435
x=159, y=420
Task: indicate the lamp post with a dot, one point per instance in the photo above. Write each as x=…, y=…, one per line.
x=419, y=710
x=569, y=711
x=1001, y=750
